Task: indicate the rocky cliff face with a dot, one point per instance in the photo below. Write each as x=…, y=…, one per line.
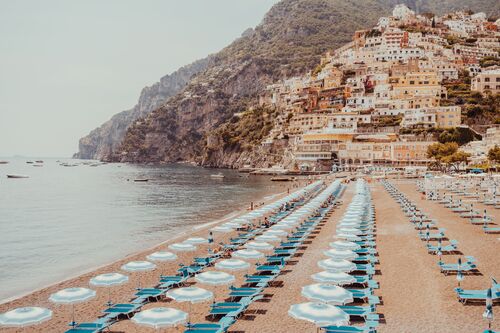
x=192, y=125
x=102, y=141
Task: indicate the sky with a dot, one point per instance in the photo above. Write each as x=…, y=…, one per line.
x=68, y=66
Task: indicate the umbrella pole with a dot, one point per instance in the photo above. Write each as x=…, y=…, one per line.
x=73, y=323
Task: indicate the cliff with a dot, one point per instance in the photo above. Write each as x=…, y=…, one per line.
x=192, y=125
x=102, y=141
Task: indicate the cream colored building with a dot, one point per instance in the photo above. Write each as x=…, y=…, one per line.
x=487, y=81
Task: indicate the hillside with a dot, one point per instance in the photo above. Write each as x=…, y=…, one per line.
x=288, y=42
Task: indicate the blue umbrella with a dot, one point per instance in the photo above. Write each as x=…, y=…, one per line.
x=26, y=316
x=214, y=278
x=108, y=280
x=320, y=314
x=232, y=265
x=72, y=296
x=160, y=317
x=327, y=293
x=248, y=254
x=488, y=312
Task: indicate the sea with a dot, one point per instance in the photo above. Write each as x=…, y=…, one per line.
x=63, y=221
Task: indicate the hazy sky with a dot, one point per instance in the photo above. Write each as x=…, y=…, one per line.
x=67, y=66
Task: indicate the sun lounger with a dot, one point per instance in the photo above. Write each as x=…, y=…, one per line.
x=369, y=327
x=491, y=229
x=121, y=309
x=358, y=310
x=221, y=326
x=453, y=268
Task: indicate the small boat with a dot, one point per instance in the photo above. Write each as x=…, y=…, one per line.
x=39, y=161
x=141, y=180
x=37, y=165
x=217, y=175
x=4, y=162
x=29, y=162
x=17, y=176
x=282, y=179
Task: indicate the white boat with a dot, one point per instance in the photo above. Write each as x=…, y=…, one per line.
x=17, y=176
x=217, y=175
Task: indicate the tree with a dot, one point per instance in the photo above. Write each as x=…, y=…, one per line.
x=447, y=155
x=494, y=154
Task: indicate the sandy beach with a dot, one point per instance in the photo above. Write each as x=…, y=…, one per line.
x=415, y=296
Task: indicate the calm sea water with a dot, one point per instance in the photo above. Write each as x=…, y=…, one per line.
x=66, y=220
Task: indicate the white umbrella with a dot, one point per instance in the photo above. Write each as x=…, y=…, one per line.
x=232, y=265
x=352, y=238
x=26, y=316
x=320, y=314
x=336, y=278
x=108, y=280
x=337, y=265
x=72, y=296
x=340, y=254
x=214, y=278
x=182, y=247
x=162, y=256
x=327, y=293
x=138, y=266
x=160, y=317
x=345, y=245
x=350, y=231
x=263, y=246
x=221, y=229
x=248, y=254
x=274, y=232
x=267, y=238
x=196, y=240
x=190, y=294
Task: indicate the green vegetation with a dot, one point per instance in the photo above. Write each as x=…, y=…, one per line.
x=489, y=61
x=494, y=154
x=447, y=156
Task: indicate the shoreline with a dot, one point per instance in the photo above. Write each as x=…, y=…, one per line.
x=268, y=197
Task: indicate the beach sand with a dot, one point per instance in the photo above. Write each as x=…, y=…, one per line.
x=416, y=296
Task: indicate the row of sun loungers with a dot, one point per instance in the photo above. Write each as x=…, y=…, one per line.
x=143, y=296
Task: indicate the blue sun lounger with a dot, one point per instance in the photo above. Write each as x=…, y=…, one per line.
x=94, y=327
x=121, y=309
x=369, y=327
x=220, y=327
x=465, y=296
x=358, y=310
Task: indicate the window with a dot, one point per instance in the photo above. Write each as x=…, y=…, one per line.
x=486, y=79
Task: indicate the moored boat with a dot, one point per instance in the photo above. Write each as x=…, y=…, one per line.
x=17, y=176
x=217, y=175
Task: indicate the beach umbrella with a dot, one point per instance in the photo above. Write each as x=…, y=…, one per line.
x=190, y=294
x=267, y=238
x=350, y=231
x=320, y=314
x=108, y=280
x=72, y=296
x=263, y=246
x=460, y=276
x=248, y=254
x=337, y=265
x=274, y=232
x=488, y=312
x=336, y=278
x=232, y=265
x=233, y=225
x=281, y=226
x=221, y=229
x=345, y=245
x=327, y=293
x=340, y=254
x=182, y=247
x=196, y=240
x=214, y=278
x=26, y=316
x=352, y=238
x=162, y=256
x=138, y=266
x=160, y=317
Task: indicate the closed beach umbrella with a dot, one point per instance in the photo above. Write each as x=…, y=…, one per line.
x=72, y=296
x=248, y=254
x=26, y=316
x=232, y=265
x=196, y=240
x=182, y=247
x=162, y=256
x=345, y=245
x=108, y=280
x=267, y=238
x=214, y=278
x=327, y=293
x=263, y=246
x=340, y=254
x=337, y=265
x=160, y=317
x=336, y=278
x=488, y=312
x=320, y=314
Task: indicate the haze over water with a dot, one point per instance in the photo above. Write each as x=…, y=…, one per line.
x=65, y=220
